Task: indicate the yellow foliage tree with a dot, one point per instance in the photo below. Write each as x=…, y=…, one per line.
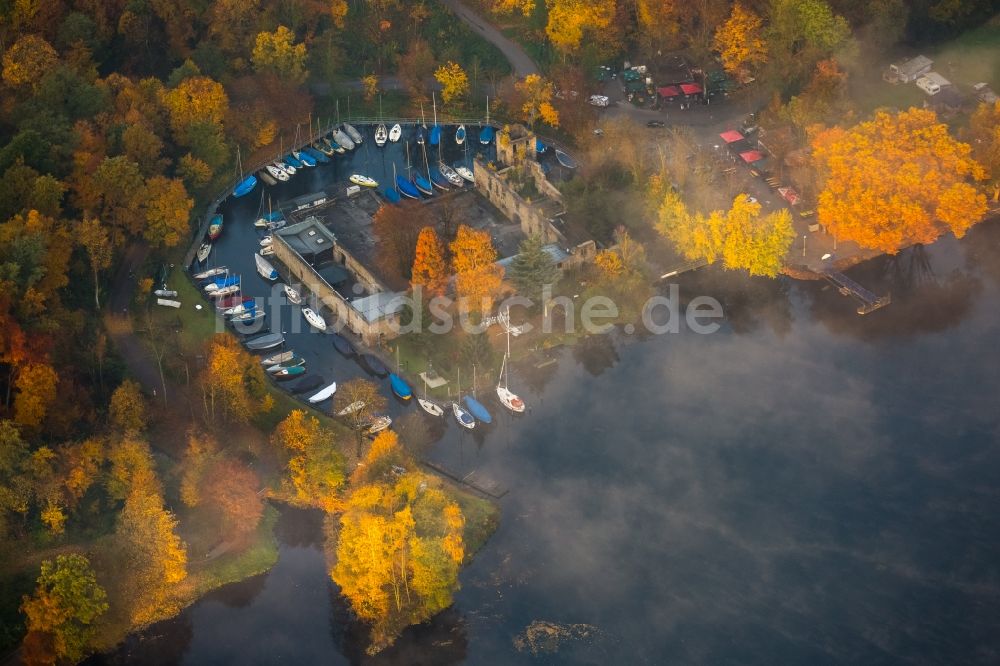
x=28, y=60
x=128, y=408
x=168, y=211
x=200, y=451
x=154, y=557
x=507, y=7
x=276, y=52
x=741, y=238
x=195, y=99
x=338, y=12
x=369, y=86
x=478, y=278
x=400, y=542
x=896, y=180
x=36, y=391
x=537, y=95
x=570, y=20
x=315, y=466
x=984, y=135
x=740, y=42
x=132, y=469
x=233, y=382
x=454, y=82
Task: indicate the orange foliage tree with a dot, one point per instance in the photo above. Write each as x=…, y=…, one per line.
x=478, y=278
x=398, y=228
x=429, y=269
x=896, y=180
x=230, y=488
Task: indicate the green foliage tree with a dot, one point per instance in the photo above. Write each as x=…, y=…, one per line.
x=800, y=33
x=66, y=605
x=533, y=267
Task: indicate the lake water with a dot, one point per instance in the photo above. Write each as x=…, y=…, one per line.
x=805, y=486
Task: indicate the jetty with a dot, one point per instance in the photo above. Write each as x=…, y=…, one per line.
x=848, y=287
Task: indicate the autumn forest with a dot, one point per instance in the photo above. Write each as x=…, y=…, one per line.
x=123, y=120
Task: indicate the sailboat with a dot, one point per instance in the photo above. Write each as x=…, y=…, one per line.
x=204, y=251
x=391, y=194
x=215, y=227
x=398, y=385
x=275, y=172
x=381, y=135
x=429, y=406
x=210, y=273
x=508, y=398
x=435, y=137
x=451, y=174
x=264, y=267
x=460, y=135
x=301, y=155
x=267, y=178
x=246, y=185
x=421, y=183
x=406, y=188
x=396, y=133
x=292, y=362
x=475, y=407
x=292, y=295
x=464, y=418
x=315, y=319
x=486, y=134
x=465, y=173
x=422, y=129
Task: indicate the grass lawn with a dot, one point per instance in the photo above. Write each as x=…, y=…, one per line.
x=255, y=559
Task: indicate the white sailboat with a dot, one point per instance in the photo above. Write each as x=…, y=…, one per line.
x=396, y=133
x=429, y=406
x=315, y=319
x=292, y=295
x=378, y=424
x=508, y=398
x=464, y=418
x=381, y=135
x=204, y=251
x=275, y=172
x=466, y=173
x=211, y=272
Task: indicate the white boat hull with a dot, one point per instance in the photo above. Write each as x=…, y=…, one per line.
x=458, y=411
x=396, y=133
x=510, y=400
x=292, y=295
x=351, y=408
x=323, y=394
x=204, y=251
x=431, y=408
x=314, y=319
x=211, y=272
x=277, y=358
x=466, y=174
x=264, y=268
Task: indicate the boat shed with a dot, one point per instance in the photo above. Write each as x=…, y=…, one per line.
x=310, y=239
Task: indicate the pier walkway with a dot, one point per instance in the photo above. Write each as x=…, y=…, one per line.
x=848, y=287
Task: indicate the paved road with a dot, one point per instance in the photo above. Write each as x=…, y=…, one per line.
x=519, y=60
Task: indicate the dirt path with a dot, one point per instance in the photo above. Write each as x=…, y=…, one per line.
x=119, y=324
x=519, y=60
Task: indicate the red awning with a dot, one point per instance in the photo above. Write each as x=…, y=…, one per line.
x=789, y=195
x=732, y=136
x=668, y=91
x=691, y=88
x=752, y=156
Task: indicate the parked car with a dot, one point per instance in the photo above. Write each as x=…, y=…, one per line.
x=599, y=100
x=656, y=123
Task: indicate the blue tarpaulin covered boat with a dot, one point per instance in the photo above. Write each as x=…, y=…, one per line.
x=406, y=188
x=423, y=184
x=435, y=135
x=400, y=387
x=486, y=135
x=245, y=186
x=316, y=155
x=476, y=409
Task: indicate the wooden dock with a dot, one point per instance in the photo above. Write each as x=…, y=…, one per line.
x=471, y=480
x=848, y=287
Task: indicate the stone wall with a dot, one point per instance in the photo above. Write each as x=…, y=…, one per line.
x=371, y=332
